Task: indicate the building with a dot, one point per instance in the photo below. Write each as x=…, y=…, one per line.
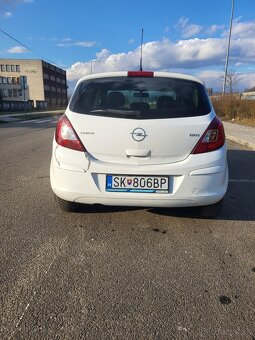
x=31, y=83
x=248, y=95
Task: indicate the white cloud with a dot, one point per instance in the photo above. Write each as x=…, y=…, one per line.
x=103, y=54
x=17, y=49
x=243, y=30
x=247, y=80
x=85, y=43
x=78, y=70
x=187, y=55
x=167, y=55
x=211, y=78
x=215, y=28
x=188, y=30
x=65, y=43
x=131, y=41
x=214, y=79
x=7, y=14
x=6, y=4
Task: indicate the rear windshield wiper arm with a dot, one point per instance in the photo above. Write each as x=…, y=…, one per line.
x=115, y=111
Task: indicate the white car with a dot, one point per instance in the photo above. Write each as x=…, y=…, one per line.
x=137, y=138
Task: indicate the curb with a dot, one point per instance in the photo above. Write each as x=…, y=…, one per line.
x=26, y=117
x=241, y=141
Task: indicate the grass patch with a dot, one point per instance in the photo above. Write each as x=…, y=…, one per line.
x=232, y=108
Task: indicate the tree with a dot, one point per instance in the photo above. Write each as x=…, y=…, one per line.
x=232, y=79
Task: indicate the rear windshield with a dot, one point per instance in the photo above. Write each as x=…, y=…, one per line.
x=140, y=98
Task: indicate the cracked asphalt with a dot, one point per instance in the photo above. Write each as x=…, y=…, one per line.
x=120, y=273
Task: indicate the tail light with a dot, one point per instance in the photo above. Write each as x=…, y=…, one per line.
x=66, y=136
x=212, y=139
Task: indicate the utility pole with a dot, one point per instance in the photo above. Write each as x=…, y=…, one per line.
x=141, y=53
x=228, y=48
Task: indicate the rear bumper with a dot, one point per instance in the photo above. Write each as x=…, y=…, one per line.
x=198, y=180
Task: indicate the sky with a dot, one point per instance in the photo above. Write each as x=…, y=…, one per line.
x=187, y=36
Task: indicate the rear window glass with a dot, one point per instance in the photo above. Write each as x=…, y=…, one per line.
x=140, y=98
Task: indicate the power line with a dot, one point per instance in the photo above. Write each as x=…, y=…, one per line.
x=19, y=42
x=30, y=49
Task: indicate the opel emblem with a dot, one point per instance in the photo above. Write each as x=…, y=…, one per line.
x=138, y=134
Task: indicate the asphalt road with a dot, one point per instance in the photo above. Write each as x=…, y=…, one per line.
x=119, y=273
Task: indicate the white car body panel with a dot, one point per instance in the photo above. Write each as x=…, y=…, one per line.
x=167, y=140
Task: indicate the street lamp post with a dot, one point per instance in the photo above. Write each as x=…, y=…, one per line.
x=91, y=64
x=228, y=48
x=23, y=88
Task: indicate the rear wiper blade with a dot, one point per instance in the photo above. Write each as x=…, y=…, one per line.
x=115, y=111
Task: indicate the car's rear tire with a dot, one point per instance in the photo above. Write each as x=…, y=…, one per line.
x=210, y=211
x=66, y=205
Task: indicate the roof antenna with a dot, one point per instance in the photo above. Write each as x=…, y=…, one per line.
x=141, y=55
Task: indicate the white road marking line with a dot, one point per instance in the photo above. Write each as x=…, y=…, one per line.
x=43, y=121
x=29, y=120
x=242, y=180
x=37, y=121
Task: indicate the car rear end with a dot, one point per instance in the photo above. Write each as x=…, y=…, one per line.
x=147, y=139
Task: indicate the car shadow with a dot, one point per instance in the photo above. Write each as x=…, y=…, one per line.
x=99, y=208
x=239, y=202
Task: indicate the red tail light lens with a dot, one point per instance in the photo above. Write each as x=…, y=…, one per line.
x=146, y=74
x=66, y=136
x=212, y=139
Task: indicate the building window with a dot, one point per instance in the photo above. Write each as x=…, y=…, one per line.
x=63, y=81
x=3, y=68
x=9, y=80
x=4, y=80
x=20, y=93
x=14, y=80
x=17, y=68
x=13, y=68
x=9, y=93
x=1, y=80
x=15, y=93
x=5, y=93
x=46, y=76
x=8, y=68
x=52, y=78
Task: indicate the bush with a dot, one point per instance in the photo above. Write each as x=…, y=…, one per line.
x=232, y=107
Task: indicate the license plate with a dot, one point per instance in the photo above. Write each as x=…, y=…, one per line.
x=148, y=184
